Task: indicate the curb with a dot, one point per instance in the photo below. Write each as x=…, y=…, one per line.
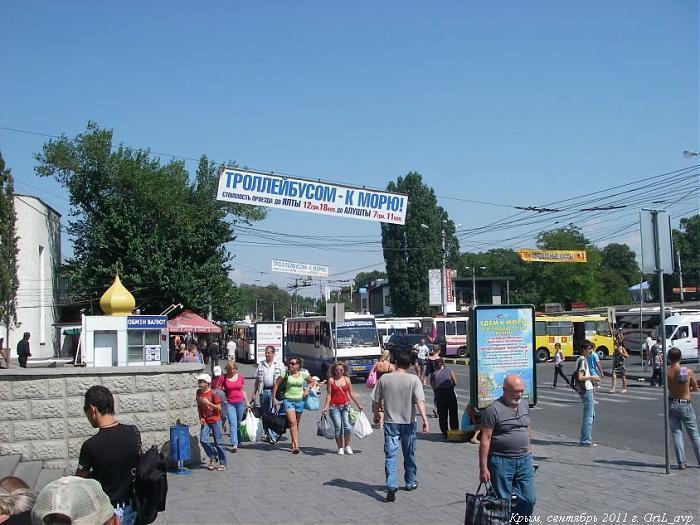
x=456, y=361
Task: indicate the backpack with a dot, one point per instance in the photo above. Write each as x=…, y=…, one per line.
x=575, y=382
x=150, y=486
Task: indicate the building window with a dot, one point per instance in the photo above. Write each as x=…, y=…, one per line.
x=387, y=300
x=136, y=342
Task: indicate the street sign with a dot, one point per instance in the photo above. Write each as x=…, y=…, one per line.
x=655, y=230
x=335, y=313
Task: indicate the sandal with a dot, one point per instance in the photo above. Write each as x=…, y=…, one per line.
x=211, y=464
x=623, y=391
x=221, y=468
x=612, y=391
x=295, y=451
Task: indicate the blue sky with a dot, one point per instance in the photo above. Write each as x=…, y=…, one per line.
x=511, y=103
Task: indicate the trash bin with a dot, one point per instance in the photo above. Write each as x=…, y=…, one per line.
x=180, y=450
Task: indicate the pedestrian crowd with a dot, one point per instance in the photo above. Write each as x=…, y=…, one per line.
x=103, y=488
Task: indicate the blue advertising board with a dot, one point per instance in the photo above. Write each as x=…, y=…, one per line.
x=502, y=343
x=146, y=322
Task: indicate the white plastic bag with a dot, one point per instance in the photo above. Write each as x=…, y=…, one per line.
x=253, y=426
x=363, y=428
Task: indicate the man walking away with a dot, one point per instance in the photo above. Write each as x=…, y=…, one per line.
x=23, y=352
x=230, y=349
x=110, y=455
x=681, y=382
x=505, y=458
x=398, y=394
x=213, y=353
x=586, y=379
x=656, y=362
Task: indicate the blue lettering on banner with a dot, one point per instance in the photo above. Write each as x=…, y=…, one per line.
x=258, y=189
x=146, y=322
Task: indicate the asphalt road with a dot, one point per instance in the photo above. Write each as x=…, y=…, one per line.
x=633, y=420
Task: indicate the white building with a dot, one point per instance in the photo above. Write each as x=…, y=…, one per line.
x=39, y=230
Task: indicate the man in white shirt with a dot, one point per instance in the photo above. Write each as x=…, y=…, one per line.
x=421, y=359
x=230, y=349
x=265, y=376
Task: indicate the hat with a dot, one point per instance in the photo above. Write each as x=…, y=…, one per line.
x=204, y=377
x=217, y=371
x=80, y=499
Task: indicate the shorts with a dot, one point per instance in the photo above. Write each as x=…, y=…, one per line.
x=297, y=406
x=421, y=362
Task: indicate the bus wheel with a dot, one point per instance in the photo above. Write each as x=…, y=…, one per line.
x=462, y=352
x=602, y=352
x=542, y=355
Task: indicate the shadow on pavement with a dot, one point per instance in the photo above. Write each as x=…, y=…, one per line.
x=627, y=463
x=375, y=491
x=315, y=451
x=552, y=442
x=431, y=436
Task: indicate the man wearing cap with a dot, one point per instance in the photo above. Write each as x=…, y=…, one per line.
x=265, y=376
x=76, y=501
x=209, y=407
x=110, y=455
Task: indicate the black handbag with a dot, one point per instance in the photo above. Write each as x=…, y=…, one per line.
x=279, y=395
x=276, y=423
x=486, y=508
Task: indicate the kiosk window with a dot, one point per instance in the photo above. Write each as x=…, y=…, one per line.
x=136, y=341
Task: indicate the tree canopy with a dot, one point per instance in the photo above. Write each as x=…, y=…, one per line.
x=8, y=251
x=166, y=232
x=416, y=247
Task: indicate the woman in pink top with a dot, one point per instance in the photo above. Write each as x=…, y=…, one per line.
x=234, y=386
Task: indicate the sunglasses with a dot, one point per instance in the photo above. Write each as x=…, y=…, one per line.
x=293, y=363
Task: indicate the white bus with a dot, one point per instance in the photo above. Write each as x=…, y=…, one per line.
x=311, y=338
x=386, y=326
x=244, y=337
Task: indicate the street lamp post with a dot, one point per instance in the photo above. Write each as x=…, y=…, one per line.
x=473, y=269
x=256, y=308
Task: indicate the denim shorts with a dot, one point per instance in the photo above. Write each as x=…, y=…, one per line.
x=297, y=406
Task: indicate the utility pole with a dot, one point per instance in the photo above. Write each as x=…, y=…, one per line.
x=442, y=275
x=680, y=275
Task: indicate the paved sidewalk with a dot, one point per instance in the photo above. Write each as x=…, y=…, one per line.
x=269, y=485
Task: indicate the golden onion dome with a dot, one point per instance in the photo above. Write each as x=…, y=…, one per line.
x=117, y=300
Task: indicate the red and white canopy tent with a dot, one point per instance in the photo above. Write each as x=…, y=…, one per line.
x=187, y=322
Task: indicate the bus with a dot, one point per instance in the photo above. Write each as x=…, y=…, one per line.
x=450, y=332
x=386, y=326
x=570, y=331
x=243, y=333
x=636, y=325
x=312, y=338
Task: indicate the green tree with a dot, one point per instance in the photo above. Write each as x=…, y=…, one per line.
x=569, y=283
x=363, y=279
x=167, y=233
x=8, y=251
x=618, y=271
x=411, y=250
x=686, y=244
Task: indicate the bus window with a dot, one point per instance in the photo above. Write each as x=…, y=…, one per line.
x=461, y=328
x=590, y=327
x=603, y=328
x=317, y=334
x=382, y=331
x=540, y=328
x=560, y=328
x=309, y=332
x=450, y=328
x=440, y=325
x=694, y=329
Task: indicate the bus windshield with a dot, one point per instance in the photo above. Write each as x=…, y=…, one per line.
x=357, y=336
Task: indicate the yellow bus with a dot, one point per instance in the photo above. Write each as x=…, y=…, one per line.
x=570, y=331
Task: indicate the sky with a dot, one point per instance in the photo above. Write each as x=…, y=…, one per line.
x=497, y=104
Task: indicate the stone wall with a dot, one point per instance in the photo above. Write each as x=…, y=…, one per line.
x=41, y=410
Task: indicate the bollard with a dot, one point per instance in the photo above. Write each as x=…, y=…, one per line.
x=180, y=447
